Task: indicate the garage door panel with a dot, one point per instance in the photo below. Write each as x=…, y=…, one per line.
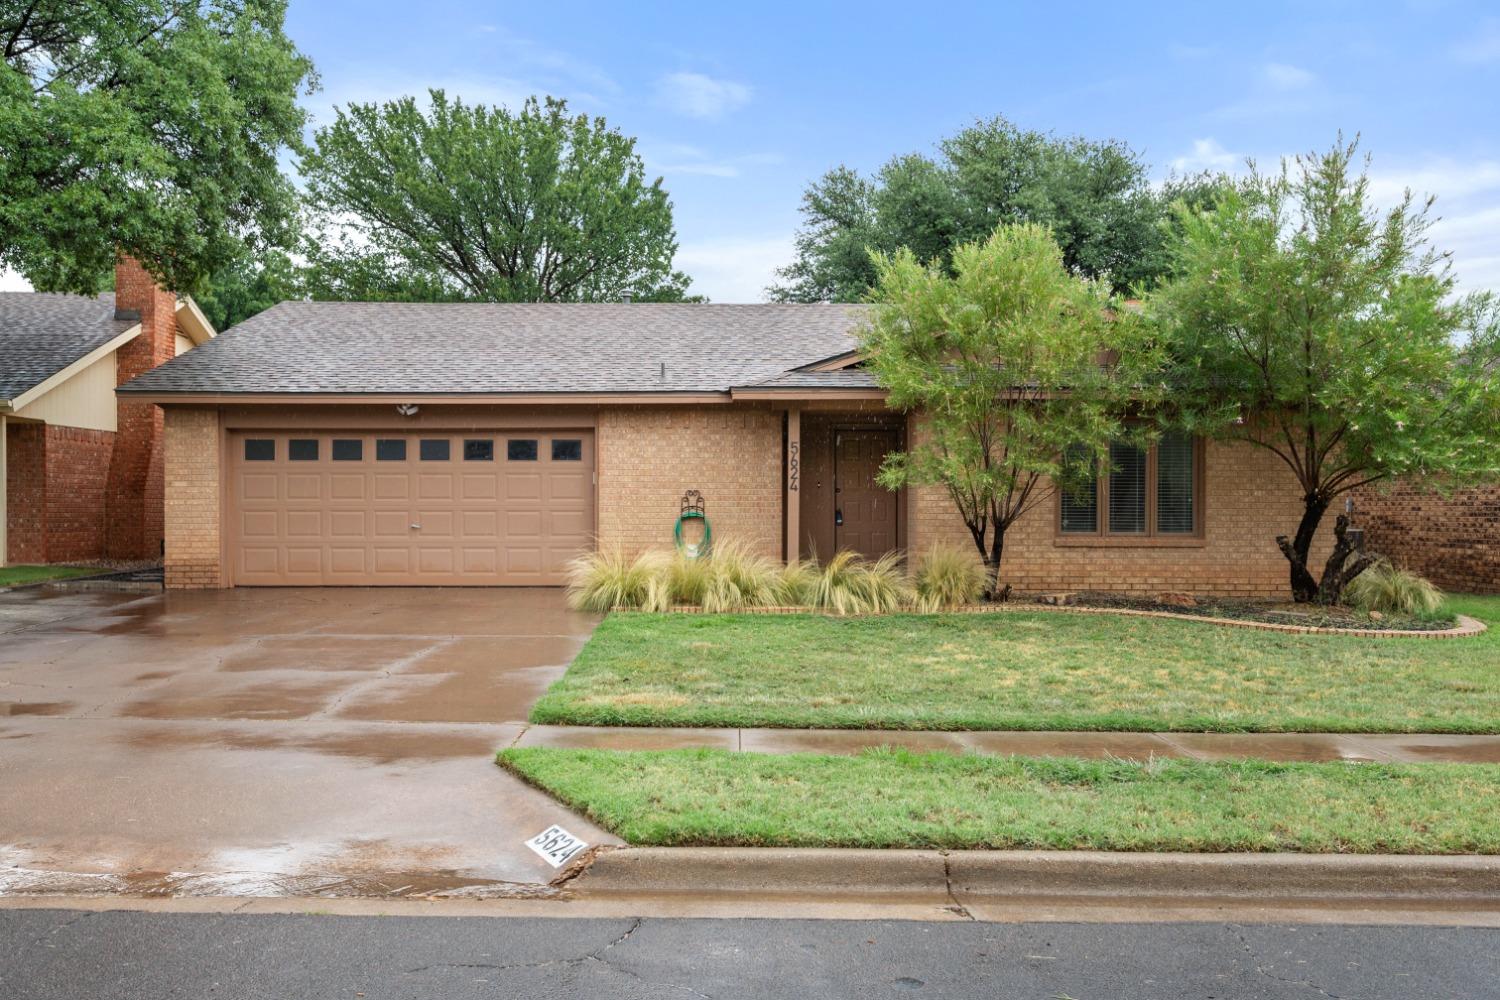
x=483, y=517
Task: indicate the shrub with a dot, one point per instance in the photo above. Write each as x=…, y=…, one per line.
x=1389, y=589
x=606, y=579
x=739, y=579
x=949, y=578
x=798, y=583
x=848, y=585
x=688, y=579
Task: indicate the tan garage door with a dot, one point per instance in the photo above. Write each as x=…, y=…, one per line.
x=462, y=508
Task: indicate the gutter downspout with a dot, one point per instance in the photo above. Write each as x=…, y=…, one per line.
x=4, y=486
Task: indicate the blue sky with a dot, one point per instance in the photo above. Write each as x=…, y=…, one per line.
x=738, y=106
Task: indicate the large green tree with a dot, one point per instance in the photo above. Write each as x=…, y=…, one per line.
x=1094, y=195
x=1304, y=321
x=144, y=126
x=1022, y=374
x=531, y=205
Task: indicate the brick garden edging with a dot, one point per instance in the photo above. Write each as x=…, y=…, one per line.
x=1466, y=626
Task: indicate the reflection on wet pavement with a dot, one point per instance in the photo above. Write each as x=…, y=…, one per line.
x=271, y=742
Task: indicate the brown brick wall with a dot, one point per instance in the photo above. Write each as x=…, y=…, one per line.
x=649, y=457
x=1453, y=541
x=77, y=473
x=1250, y=498
x=192, y=475
x=26, y=492
x=135, y=490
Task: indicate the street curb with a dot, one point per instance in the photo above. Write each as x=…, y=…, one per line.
x=976, y=876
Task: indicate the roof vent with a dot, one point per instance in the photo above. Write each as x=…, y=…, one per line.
x=626, y=296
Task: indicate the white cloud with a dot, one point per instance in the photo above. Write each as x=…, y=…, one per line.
x=698, y=96
x=1207, y=154
x=10, y=281
x=1281, y=76
x=734, y=269
x=1483, y=45
x=682, y=159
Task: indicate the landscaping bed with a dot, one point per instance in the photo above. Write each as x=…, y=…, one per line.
x=1029, y=670
x=896, y=799
x=18, y=576
x=1272, y=612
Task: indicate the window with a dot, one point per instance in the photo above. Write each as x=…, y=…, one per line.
x=434, y=449
x=479, y=451
x=1147, y=493
x=521, y=450
x=302, y=449
x=390, y=449
x=567, y=450
x=260, y=449
x=348, y=449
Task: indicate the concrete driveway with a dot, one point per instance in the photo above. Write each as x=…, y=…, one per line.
x=265, y=742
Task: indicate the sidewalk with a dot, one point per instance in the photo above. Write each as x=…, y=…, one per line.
x=1369, y=747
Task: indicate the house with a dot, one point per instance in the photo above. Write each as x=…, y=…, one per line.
x=80, y=470
x=1452, y=540
x=485, y=444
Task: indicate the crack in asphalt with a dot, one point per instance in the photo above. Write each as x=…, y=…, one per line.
x=599, y=955
x=59, y=928
x=1255, y=958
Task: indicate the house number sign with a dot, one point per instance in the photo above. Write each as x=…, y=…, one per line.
x=793, y=465
x=556, y=845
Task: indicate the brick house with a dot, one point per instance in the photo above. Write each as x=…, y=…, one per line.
x=486, y=444
x=80, y=470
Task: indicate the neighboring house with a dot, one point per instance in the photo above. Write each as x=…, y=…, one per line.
x=1454, y=541
x=80, y=471
x=483, y=444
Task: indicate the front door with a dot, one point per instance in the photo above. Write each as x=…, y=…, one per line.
x=864, y=518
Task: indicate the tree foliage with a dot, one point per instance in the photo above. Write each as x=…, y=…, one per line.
x=462, y=201
x=1022, y=374
x=1307, y=323
x=144, y=126
x=1094, y=195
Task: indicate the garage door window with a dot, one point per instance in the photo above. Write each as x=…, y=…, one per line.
x=260, y=449
x=302, y=449
x=434, y=449
x=390, y=450
x=348, y=449
x=521, y=450
x=479, y=451
x=567, y=450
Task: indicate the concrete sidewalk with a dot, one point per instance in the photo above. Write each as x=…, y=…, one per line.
x=1369, y=747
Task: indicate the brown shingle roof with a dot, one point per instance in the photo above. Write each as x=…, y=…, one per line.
x=495, y=349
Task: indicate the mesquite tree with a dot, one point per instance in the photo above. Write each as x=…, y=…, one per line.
x=1021, y=373
x=1305, y=322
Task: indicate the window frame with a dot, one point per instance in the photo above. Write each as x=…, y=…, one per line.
x=1101, y=536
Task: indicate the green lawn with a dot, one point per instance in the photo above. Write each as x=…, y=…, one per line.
x=892, y=798
x=1024, y=670
x=10, y=576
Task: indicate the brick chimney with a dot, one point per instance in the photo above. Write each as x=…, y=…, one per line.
x=134, y=494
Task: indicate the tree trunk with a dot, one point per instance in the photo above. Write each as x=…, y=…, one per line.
x=992, y=563
x=1336, y=575
x=1304, y=585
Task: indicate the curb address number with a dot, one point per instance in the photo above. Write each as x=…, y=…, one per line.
x=556, y=846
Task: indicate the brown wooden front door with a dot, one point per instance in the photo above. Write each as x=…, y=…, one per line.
x=864, y=511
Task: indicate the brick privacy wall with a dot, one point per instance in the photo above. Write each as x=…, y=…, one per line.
x=1251, y=498
x=650, y=457
x=192, y=475
x=78, y=461
x=134, y=528
x=1453, y=541
x=26, y=492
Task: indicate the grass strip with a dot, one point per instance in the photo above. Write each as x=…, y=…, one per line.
x=11, y=576
x=1023, y=670
x=897, y=799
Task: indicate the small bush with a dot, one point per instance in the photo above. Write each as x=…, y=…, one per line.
x=689, y=579
x=606, y=579
x=798, y=583
x=1391, y=590
x=850, y=586
x=739, y=579
x=949, y=578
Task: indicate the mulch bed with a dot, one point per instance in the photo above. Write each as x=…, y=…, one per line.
x=1269, y=612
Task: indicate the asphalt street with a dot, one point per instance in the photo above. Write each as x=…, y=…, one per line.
x=48, y=954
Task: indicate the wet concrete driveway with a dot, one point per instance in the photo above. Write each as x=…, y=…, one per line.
x=335, y=741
